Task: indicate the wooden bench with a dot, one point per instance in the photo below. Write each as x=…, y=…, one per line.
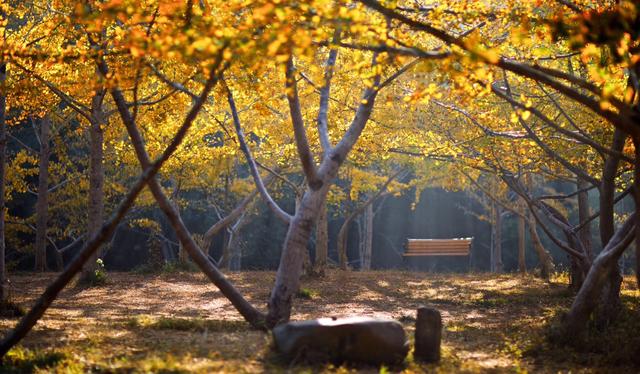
x=438, y=247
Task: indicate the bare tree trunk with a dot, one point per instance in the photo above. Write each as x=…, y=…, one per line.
x=96, y=180
x=226, y=247
x=291, y=260
x=583, y=216
x=609, y=303
x=522, y=264
x=496, y=248
x=590, y=294
x=546, y=261
x=235, y=248
x=607, y=188
x=59, y=259
x=343, y=238
x=3, y=160
x=365, y=260
x=43, y=194
x=322, y=241
x=307, y=267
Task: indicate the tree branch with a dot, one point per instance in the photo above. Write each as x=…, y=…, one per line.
x=281, y=214
x=302, y=144
x=325, y=91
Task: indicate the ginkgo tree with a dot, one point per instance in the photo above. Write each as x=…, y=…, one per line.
x=612, y=102
x=276, y=68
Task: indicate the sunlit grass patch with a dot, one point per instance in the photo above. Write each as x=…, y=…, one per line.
x=21, y=360
x=307, y=293
x=186, y=324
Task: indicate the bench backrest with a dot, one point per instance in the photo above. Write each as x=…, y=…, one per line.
x=438, y=247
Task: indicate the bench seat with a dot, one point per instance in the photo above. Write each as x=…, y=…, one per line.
x=438, y=247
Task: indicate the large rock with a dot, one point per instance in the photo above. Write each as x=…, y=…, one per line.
x=338, y=340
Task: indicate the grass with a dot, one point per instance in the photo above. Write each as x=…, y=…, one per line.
x=175, y=322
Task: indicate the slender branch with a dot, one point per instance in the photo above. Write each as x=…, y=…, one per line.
x=175, y=85
x=405, y=51
x=77, y=106
x=566, y=196
x=276, y=174
x=325, y=91
x=507, y=96
x=281, y=214
x=486, y=130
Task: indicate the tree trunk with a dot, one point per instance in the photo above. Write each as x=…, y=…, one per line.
x=367, y=245
x=343, y=238
x=3, y=156
x=235, y=248
x=546, y=261
x=607, y=188
x=307, y=267
x=57, y=255
x=43, y=194
x=496, y=247
x=522, y=264
x=235, y=253
x=226, y=254
x=96, y=184
x=322, y=241
x=583, y=215
x=295, y=244
x=590, y=295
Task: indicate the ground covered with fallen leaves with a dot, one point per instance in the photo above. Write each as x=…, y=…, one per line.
x=179, y=322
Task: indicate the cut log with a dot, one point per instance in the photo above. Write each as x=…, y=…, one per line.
x=338, y=340
x=428, y=335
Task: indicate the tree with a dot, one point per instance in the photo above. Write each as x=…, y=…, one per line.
x=43, y=192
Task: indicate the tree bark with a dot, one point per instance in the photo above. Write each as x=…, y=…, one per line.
x=590, y=294
x=96, y=179
x=496, y=247
x=235, y=249
x=322, y=241
x=367, y=245
x=546, y=261
x=291, y=260
x=3, y=156
x=43, y=194
x=609, y=294
x=583, y=216
x=607, y=189
x=522, y=264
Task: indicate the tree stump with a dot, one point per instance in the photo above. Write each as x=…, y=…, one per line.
x=428, y=335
